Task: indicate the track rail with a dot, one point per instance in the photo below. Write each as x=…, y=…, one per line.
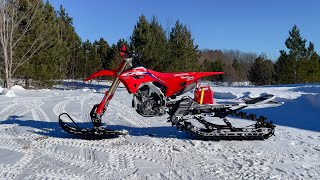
x=186, y=109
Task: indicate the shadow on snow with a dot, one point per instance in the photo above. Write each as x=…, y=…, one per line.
x=53, y=129
x=302, y=112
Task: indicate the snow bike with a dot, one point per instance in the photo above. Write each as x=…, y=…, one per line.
x=154, y=94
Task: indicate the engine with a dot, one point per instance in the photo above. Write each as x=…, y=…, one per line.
x=149, y=101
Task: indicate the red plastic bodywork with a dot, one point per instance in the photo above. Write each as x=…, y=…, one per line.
x=135, y=77
x=174, y=82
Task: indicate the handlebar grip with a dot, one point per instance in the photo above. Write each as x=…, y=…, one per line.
x=131, y=54
x=123, y=50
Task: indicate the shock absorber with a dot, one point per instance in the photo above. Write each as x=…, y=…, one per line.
x=99, y=109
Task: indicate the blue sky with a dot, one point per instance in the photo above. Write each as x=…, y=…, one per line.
x=248, y=25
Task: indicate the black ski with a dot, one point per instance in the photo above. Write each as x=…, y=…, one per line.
x=88, y=133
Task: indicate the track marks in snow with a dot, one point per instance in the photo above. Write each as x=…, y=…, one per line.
x=60, y=107
x=12, y=171
x=8, y=111
x=289, y=155
x=122, y=157
x=84, y=106
x=126, y=115
x=39, y=114
x=22, y=106
x=88, y=154
x=87, y=160
x=59, y=173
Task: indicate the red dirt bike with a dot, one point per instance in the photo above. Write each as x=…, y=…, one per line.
x=154, y=94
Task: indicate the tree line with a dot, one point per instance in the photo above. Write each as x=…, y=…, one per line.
x=298, y=64
x=39, y=45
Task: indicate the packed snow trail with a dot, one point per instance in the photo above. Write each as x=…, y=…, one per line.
x=33, y=146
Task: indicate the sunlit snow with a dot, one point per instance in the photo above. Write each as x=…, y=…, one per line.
x=33, y=146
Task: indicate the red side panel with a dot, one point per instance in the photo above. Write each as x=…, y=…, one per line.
x=102, y=73
x=133, y=78
x=177, y=81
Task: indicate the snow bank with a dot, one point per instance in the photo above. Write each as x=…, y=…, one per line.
x=314, y=100
x=312, y=94
x=307, y=89
x=17, y=87
x=10, y=92
x=7, y=92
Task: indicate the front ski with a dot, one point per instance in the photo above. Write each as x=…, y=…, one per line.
x=88, y=133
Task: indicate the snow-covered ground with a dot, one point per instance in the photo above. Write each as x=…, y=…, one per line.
x=33, y=146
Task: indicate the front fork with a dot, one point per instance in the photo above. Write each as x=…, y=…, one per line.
x=99, y=109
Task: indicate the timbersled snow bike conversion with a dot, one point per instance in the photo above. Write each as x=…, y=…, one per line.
x=154, y=94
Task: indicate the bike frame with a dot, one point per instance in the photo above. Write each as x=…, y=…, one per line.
x=133, y=78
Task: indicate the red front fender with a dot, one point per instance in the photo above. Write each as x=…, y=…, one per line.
x=101, y=73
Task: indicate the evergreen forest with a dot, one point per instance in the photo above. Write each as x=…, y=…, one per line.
x=39, y=46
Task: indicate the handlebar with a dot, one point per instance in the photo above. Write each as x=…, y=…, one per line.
x=132, y=54
x=129, y=54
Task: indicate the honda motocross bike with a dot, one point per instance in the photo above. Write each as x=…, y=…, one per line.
x=154, y=94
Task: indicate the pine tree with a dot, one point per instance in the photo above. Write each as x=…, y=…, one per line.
x=103, y=51
x=261, y=72
x=69, y=45
x=158, y=46
x=59, y=60
x=292, y=66
x=92, y=62
x=312, y=65
x=141, y=39
x=42, y=66
x=31, y=25
x=216, y=66
x=237, y=70
x=183, y=55
x=149, y=39
x=284, y=69
x=113, y=54
x=236, y=64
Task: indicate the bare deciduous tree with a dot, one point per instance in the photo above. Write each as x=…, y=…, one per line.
x=14, y=27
